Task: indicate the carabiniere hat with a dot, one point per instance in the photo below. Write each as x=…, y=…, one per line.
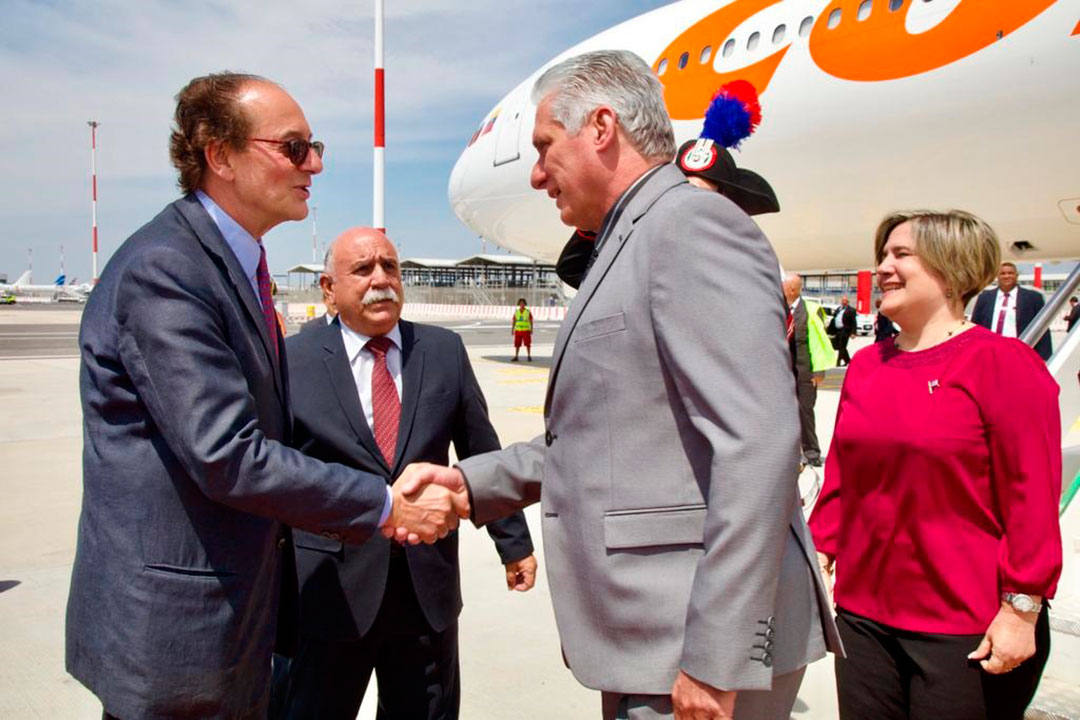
x=732, y=116
x=706, y=158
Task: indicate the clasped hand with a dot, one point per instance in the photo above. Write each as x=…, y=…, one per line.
x=428, y=501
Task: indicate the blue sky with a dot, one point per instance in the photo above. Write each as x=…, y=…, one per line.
x=121, y=63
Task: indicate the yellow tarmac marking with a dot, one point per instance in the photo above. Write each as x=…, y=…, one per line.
x=523, y=381
x=533, y=409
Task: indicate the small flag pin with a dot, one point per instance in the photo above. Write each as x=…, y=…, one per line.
x=932, y=385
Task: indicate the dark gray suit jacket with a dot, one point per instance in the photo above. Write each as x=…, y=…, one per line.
x=341, y=587
x=187, y=481
x=799, y=345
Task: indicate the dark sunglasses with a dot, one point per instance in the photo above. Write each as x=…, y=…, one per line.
x=296, y=149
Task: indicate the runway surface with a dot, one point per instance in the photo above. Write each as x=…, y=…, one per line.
x=511, y=664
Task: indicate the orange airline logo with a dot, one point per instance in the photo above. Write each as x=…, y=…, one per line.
x=877, y=47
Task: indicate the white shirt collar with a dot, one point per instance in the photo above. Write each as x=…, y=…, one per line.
x=355, y=341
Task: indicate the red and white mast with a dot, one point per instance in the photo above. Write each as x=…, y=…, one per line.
x=93, y=185
x=379, y=164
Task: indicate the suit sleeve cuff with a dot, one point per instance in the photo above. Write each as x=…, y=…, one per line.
x=389, y=506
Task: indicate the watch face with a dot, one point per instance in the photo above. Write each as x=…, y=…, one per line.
x=1023, y=603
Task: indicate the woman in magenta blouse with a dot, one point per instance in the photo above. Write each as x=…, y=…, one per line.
x=941, y=491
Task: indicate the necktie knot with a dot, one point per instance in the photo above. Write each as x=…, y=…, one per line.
x=378, y=346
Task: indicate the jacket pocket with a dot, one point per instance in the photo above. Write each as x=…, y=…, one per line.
x=600, y=326
x=188, y=571
x=650, y=527
x=311, y=541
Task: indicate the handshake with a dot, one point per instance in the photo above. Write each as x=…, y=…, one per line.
x=428, y=501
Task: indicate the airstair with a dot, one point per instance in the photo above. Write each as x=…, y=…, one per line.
x=1058, y=697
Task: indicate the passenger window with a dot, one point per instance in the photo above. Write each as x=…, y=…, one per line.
x=895, y=5
x=834, y=18
x=778, y=34
x=864, y=10
x=706, y=53
x=683, y=59
x=806, y=26
x=752, y=41
x=662, y=67
x=729, y=47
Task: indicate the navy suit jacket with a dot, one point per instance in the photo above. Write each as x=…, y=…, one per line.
x=342, y=587
x=1028, y=305
x=189, y=483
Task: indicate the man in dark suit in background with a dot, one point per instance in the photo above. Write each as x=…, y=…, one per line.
x=806, y=380
x=188, y=478
x=376, y=393
x=841, y=328
x=1009, y=309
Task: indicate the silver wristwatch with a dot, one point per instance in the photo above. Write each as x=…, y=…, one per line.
x=1021, y=602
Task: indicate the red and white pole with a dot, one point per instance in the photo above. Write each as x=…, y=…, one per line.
x=378, y=211
x=93, y=185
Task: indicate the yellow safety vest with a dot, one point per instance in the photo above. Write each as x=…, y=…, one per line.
x=523, y=320
x=822, y=354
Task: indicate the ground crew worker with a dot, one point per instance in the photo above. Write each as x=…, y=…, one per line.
x=522, y=326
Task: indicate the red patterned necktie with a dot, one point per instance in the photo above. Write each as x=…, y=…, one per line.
x=1001, y=315
x=262, y=278
x=385, y=403
x=790, y=324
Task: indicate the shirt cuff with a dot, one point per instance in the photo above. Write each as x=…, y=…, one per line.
x=389, y=506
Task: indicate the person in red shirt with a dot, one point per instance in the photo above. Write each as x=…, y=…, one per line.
x=941, y=491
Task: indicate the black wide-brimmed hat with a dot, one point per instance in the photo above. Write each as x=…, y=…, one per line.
x=708, y=159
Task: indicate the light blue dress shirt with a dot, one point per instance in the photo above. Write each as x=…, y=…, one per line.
x=245, y=247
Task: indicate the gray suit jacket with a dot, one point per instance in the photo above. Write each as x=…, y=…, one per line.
x=667, y=472
x=188, y=482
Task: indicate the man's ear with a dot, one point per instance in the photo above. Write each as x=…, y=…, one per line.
x=219, y=158
x=604, y=126
x=327, y=285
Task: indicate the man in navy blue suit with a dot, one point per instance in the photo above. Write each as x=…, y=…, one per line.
x=381, y=606
x=1009, y=309
x=184, y=558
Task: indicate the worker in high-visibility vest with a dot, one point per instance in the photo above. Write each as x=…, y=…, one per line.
x=522, y=326
x=811, y=355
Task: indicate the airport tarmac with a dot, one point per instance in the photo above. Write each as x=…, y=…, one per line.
x=511, y=665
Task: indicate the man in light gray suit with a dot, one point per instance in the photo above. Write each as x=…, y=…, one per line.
x=682, y=573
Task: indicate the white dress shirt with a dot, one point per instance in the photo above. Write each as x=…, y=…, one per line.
x=362, y=362
x=1009, y=330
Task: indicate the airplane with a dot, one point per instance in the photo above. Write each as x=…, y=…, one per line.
x=60, y=290
x=868, y=106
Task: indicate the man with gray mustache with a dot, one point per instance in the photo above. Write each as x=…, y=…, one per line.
x=374, y=392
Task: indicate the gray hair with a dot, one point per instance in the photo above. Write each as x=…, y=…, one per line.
x=328, y=260
x=619, y=79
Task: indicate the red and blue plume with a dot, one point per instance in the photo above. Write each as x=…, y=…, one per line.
x=733, y=114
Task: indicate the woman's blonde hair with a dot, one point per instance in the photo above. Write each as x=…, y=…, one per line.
x=957, y=246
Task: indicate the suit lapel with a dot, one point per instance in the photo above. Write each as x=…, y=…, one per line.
x=661, y=181
x=412, y=375
x=210, y=236
x=343, y=384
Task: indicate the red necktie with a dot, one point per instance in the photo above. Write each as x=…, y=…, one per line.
x=262, y=278
x=1001, y=315
x=386, y=405
x=790, y=324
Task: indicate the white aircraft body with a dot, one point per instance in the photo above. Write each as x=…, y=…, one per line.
x=59, y=290
x=868, y=106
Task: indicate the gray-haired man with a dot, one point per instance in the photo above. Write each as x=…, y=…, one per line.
x=682, y=572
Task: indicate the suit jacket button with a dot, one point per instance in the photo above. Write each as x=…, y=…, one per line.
x=766, y=660
x=549, y=437
x=281, y=544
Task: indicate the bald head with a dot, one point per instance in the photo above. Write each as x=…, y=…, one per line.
x=363, y=280
x=792, y=286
